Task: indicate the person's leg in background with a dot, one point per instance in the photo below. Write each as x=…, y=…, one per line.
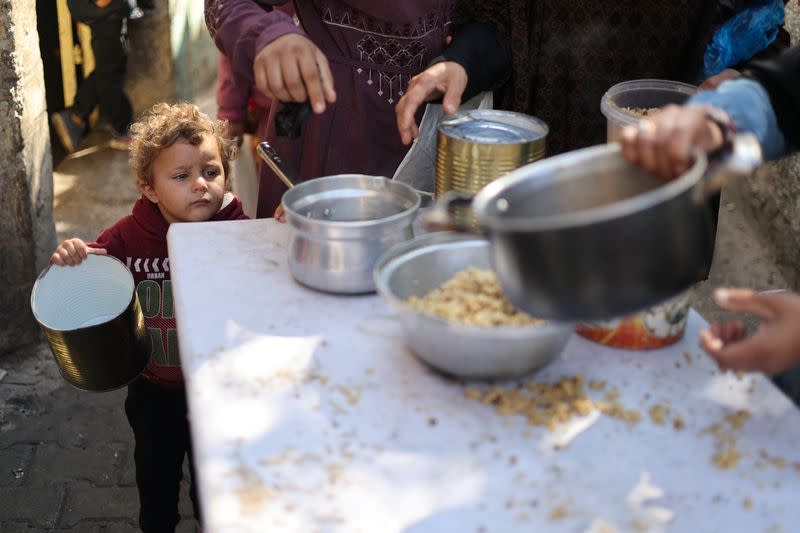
x=110, y=53
x=103, y=87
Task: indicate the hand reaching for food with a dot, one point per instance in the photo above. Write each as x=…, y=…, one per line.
x=774, y=347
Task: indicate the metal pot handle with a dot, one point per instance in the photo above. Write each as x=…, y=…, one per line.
x=440, y=218
x=739, y=155
x=271, y=158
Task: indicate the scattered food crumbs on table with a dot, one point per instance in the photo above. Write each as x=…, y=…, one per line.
x=747, y=504
x=687, y=357
x=548, y=405
x=557, y=513
x=658, y=414
x=611, y=395
x=726, y=458
x=352, y=396
x=778, y=462
x=678, y=423
x=597, y=384
x=737, y=419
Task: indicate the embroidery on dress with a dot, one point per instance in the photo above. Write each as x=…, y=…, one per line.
x=213, y=8
x=386, y=44
x=393, y=53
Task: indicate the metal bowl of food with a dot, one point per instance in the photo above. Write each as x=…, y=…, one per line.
x=419, y=266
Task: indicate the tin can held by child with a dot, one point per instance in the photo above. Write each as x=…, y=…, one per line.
x=92, y=319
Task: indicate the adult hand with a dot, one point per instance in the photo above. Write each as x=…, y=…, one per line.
x=776, y=344
x=716, y=80
x=72, y=252
x=663, y=144
x=292, y=69
x=447, y=78
x=236, y=131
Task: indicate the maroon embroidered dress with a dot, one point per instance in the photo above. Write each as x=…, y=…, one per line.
x=374, y=48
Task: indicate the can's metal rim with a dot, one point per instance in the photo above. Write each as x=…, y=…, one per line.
x=47, y=269
x=512, y=118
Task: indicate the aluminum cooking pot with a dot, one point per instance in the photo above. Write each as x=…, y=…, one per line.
x=587, y=236
x=341, y=225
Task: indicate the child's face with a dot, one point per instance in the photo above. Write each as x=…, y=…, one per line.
x=188, y=181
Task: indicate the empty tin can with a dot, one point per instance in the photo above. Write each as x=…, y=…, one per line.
x=93, y=321
x=475, y=147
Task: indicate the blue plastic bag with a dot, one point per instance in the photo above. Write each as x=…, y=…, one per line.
x=742, y=36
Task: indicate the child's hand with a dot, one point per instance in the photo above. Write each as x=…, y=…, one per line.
x=776, y=344
x=280, y=214
x=72, y=252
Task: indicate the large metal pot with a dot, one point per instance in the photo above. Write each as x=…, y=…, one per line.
x=587, y=236
x=341, y=225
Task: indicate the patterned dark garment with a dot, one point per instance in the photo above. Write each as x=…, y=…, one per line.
x=565, y=55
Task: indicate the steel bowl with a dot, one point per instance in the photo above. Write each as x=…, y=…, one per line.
x=419, y=266
x=342, y=224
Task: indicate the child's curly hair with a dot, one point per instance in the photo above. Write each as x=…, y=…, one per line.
x=164, y=125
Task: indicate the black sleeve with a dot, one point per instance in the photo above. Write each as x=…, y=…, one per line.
x=780, y=76
x=484, y=55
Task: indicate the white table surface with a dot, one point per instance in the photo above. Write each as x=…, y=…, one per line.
x=309, y=414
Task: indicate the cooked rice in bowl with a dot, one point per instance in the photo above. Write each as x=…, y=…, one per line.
x=474, y=297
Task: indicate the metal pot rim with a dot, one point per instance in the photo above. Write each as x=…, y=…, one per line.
x=356, y=224
x=548, y=170
x=60, y=330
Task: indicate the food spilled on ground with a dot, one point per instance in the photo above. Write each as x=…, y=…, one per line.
x=473, y=296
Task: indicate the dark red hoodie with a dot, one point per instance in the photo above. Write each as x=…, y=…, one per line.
x=140, y=241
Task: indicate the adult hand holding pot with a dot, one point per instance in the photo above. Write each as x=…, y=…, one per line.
x=664, y=145
x=586, y=235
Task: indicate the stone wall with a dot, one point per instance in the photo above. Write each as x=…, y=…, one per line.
x=26, y=200
x=772, y=196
